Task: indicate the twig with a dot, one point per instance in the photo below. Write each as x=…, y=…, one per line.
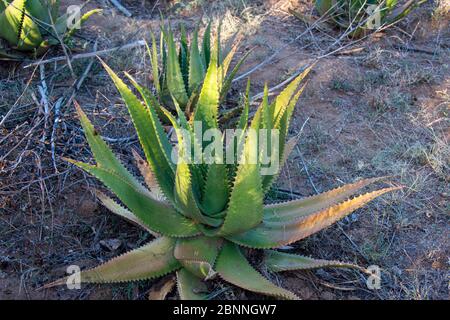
x=43, y=91
x=63, y=46
x=60, y=101
x=305, y=167
x=121, y=8
x=55, y=127
x=89, y=54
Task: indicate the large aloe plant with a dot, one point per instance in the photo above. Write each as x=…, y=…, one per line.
x=33, y=25
x=180, y=70
x=203, y=216
x=362, y=15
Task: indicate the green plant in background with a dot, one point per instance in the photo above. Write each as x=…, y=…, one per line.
x=363, y=15
x=181, y=70
x=33, y=26
x=204, y=216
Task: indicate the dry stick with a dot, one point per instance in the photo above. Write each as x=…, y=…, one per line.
x=60, y=101
x=121, y=8
x=43, y=91
x=89, y=54
x=6, y=116
x=63, y=46
x=55, y=127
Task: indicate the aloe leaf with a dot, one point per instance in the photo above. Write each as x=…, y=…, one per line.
x=243, y=120
x=198, y=255
x=288, y=148
x=175, y=81
x=162, y=288
x=273, y=235
x=84, y=18
x=153, y=54
x=196, y=68
x=206, y=46
x=183, y=58
x=323, y=6
x=296, y=209
x=245, y=207
x=403, y=10
x=225, y=87
x=102, y=153
x=215, y=196
x=158, y=216
x=18, y=28
x=150, y=261
x=237, y=141
x=225, y=65
x=151, y=134
x=149, y=177
x=283, y=127
x=233, y=267
x=118, y=209
x=38, y=11
x=9, y=56
x=207, y=109
x=284, y=98
x=281, y=261
x=184, y=195
x=191, y=287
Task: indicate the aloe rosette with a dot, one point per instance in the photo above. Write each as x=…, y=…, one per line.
x=181, y=69
x=33, y=25
x=203, y=216
x=361, y=14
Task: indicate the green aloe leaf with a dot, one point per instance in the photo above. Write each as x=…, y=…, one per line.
x=152, y=137
x=153, y=53
x=102, y=153
x=84, y=18
x=296, y=209
x=282, y=102
x=206, y=46
x=175, y=81
x=158, y=216
x=18, y=28
x=196, y=68
x=281, y=261
x=216, y=193
x=274, y=234
x=191, y=287
x=233, y=267
x=149, y=177
x=184, y=195
x=183, y=57
x=225, y=87
x=147, y=262
x=198, y=255
x=245, y=207
x=207, y=109
x=243, y=120
x=118, y=209
x=283, y=127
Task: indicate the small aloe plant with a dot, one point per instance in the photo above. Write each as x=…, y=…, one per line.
x=33, y=25
x=363, y=15
x=204, y=215
x=179, y=72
